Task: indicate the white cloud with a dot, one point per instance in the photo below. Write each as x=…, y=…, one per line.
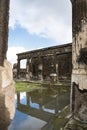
x=12, y=51
x=48, y=18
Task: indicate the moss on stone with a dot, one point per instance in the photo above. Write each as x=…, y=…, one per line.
x=62, y=118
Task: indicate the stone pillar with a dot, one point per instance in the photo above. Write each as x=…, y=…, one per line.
x=4, y=17
x=57, y=72
x=30, y=68
x=79, y=60
x=27, y=71
x=40, y=67
x=18, y=68
x=41, y=72
x=7, y=104
x=7, y=92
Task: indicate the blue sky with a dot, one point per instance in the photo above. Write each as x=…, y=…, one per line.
x=20, y=36
x=35, y=24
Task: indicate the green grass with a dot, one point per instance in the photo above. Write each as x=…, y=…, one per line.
x=29, y=86
x=23, y=86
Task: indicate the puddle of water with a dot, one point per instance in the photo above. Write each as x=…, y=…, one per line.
x=35, y=110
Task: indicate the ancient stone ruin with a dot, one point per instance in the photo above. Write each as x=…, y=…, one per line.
x=79, y=60
x=7, y=108
x=79, y=64
x=46, y=64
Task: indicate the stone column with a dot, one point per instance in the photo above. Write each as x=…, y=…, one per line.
x=40, y=67
x=79, y=60
x=4, y=17
x=41, y=72
x=28, y=71
x=18, y=68
x=7, y=104
x=7, y=92
x=57, y=72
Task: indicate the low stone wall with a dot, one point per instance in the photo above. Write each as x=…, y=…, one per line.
x=7, y=92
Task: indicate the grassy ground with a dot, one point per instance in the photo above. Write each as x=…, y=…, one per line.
x=24, y=86
x=30, y=86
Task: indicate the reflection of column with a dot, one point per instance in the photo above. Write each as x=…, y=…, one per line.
x=57, y=72
x=40, y=107
x=27, y=99
x=57, y=100
x=18, y=99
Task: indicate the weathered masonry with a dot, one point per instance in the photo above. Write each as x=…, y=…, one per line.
x=79, y=60
x=7, y=104
x=52, y=63
x=4, y=8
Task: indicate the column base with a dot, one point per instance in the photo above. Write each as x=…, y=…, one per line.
x=75, y=125
x=79, y=97
x=7, y=93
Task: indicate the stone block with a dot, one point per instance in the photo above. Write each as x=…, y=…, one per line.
x=6, y=76
x=80, y=80
x=7, y=95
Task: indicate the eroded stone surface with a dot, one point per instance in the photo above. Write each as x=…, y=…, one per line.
x=6, y=77
x=75, y=125
x=79, y=61
x=7, y=105
x=41, y=63
x=4, y=18
x=7, y=92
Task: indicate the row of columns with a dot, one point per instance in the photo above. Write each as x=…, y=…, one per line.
x=40, y=67
x=29, y=74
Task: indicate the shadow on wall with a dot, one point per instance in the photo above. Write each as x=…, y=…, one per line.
x=83, y=56
x=4, y=114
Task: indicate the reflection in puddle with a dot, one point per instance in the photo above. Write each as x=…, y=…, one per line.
x=34, y=105
x=35, y=109
x=48, y=110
